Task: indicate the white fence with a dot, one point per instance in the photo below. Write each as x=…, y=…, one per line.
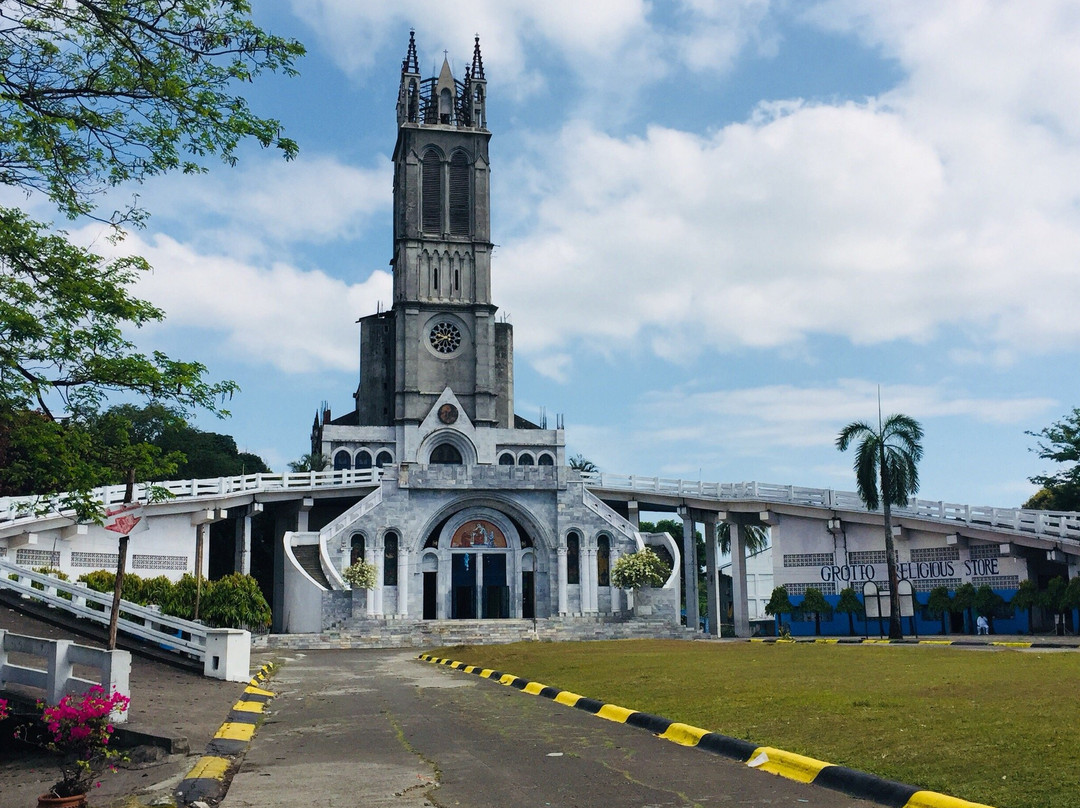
x=59, y=657
x=224, y=652
x=1059, y=526
x=26, y=508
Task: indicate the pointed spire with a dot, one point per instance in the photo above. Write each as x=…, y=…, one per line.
x=477, y=61
x=411, y=64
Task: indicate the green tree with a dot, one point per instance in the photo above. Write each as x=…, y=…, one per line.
x=1055, y=598
x=850, y=605
x=1027, y=598
x=97, y=93
x=813, y=601
x=988, y=603
x=1059, y=442
x=779, y=604
x=939, y=604
x=964, y=602
x=199, y=454
x=886, y=473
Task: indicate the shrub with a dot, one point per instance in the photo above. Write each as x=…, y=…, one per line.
x=235, y=601
x=180, y=600
x=643, y=568
x=156, y=590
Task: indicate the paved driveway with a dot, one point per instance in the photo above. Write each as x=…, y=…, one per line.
x=379, y=728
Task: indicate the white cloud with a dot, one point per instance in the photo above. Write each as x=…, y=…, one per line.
x=789, y=416
x=942, y=204
x=273, y=314
x=266, y=202
x=357, y=33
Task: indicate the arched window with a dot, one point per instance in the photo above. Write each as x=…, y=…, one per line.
x=384, y=459
x=506, y=459
x=545, y=460
x=431, y=192
x=447, y=454
x=573, y=558
x=526, y=459
x=363, y=459
x=342, y=460
x=356, y=549
x=446, y=105
x=603, y=560
x=390, y=551
x=459, y=195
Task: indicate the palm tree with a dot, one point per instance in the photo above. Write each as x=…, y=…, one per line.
x=757, y=538
x=886, y=456
x=312, y=461
x=581, y=463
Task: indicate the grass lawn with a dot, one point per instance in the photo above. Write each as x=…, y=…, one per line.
x=992, y=726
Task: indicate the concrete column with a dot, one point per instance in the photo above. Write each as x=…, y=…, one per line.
x=632, y=513
x=306, y=504
x=242, y=559
x=711, y=580
x=442, y=585
x=739, y=606
x=402, y=580
x=478, y=559
x=690, y=569
x=563, y=594
x=375, y=556
x=591, y=577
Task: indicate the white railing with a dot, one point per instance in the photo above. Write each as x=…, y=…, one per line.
x=224, y=652
x=27, y=508
x=624, y=526
x=59, y=658
x=1060, y=526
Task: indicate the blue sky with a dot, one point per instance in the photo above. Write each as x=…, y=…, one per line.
x=719, y=226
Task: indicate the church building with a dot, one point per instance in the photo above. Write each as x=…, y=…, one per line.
x=477, y=514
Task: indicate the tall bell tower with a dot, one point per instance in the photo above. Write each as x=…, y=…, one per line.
x=441, y=331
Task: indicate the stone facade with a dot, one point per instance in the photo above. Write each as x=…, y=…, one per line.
x=477, y=516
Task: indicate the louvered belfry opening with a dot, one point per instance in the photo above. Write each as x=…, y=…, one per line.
x=431, y=201
x=459, y=195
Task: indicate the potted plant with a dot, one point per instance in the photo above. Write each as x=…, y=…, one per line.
x=636, y=570
x=360, y=575
x=78, y=731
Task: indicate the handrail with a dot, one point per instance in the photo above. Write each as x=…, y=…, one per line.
x=17, y=508
x=1056, y=525
x=230, y=646
x=1062, y=526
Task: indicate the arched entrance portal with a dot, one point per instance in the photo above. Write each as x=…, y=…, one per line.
x=481, y=566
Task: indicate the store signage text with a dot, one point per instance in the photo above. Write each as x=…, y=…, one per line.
x=921, y=570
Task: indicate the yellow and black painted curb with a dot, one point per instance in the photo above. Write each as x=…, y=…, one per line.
x=775, y=761
x=206, y=780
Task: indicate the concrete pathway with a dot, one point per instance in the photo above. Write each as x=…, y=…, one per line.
x=379, y=728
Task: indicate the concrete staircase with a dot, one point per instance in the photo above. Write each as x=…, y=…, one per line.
x=399, y=633
x=307, y=556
